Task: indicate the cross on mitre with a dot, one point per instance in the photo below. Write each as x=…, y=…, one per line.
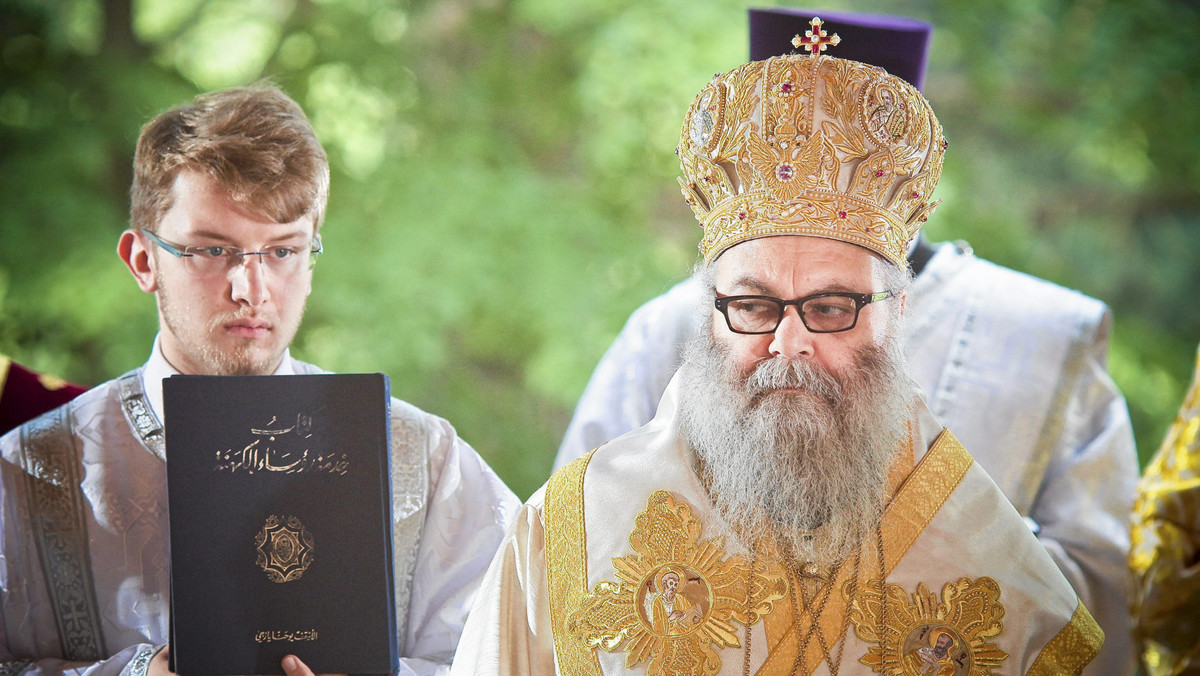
x=815, y=40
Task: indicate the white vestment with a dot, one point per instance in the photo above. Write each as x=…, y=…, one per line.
x=446, y=498
x=1014, y=365
x=948, y=537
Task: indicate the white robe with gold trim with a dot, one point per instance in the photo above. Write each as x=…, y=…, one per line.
x=947, y=525
x=1014, y=365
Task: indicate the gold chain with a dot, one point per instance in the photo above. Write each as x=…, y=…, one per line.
x=835, y=665
x=882, y=582
x=814, y=624
x=749, y=585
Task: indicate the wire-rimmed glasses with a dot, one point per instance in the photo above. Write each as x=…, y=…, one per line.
x=219, y=258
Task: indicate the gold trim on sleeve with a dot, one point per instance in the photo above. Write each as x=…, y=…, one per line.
x=566, y=564
x=1072, y=648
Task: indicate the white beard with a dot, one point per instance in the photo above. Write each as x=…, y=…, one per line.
x=808, y=471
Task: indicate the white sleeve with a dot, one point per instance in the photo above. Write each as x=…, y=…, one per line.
x=468, y=513
x=508, y=633
x=624, y=390
x=1083, y=506
x=131, y=661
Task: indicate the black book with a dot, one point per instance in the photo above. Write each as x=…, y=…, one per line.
x=279, y=490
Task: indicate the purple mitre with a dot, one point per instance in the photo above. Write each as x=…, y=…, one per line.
x=898, y=44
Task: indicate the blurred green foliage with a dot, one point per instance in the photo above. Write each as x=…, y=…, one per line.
x=504, y=193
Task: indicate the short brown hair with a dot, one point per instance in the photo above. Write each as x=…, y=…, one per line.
x=255, y=142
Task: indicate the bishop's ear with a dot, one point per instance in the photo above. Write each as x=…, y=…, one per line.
x=135, y=253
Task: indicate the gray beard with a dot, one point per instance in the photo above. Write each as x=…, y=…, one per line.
x=807, y=471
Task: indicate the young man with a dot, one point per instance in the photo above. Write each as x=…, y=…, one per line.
x=818, y=517
x=228, y=198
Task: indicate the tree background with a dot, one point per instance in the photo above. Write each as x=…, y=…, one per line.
x=504, y=184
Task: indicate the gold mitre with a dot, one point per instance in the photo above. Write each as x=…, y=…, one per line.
x=808, y=144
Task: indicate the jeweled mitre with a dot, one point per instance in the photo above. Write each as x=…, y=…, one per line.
x=810, y=145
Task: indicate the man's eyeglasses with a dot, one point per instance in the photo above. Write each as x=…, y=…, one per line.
x=821, y=313
x=218, y=258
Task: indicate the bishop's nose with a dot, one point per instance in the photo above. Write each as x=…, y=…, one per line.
x=792, y=339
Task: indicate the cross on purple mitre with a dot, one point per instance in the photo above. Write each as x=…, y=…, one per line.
x=815, y=40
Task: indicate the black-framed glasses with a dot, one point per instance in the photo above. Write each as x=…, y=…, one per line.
x=219, y=258
x=821, y=312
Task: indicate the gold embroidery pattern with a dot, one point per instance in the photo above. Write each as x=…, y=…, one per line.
x=1164, y=544
x=1072, y=648
x=920, y=634
x=566, y=563
x=812, y=146
x=677, y=598
x=922, y=495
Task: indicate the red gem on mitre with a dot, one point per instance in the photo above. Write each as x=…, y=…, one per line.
x=785, y=87
x=841, y=214
x=785, y=172
x=741, y=215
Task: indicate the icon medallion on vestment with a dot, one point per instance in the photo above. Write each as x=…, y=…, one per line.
x=921, y=635
x=677, y=598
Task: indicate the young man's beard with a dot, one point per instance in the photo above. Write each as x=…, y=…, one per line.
x=807, y=470
x=235, y=358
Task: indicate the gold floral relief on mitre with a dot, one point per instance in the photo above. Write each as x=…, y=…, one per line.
x=676, y=599
x=920, y=633
x=849, y=151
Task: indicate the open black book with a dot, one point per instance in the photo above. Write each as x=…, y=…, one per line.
x=279, y=489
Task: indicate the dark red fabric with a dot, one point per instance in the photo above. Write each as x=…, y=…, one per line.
x=24, y=394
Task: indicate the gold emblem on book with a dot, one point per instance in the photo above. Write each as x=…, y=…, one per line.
x=677, y=598
x=920, y=635
x=285, y=548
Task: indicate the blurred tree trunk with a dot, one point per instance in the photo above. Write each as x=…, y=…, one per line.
x=118, y=30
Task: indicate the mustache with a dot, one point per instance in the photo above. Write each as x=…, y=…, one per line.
x=241, y=315
x=780, y=373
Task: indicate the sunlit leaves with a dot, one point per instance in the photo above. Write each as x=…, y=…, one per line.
x=230, y=41
x=351, y=116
